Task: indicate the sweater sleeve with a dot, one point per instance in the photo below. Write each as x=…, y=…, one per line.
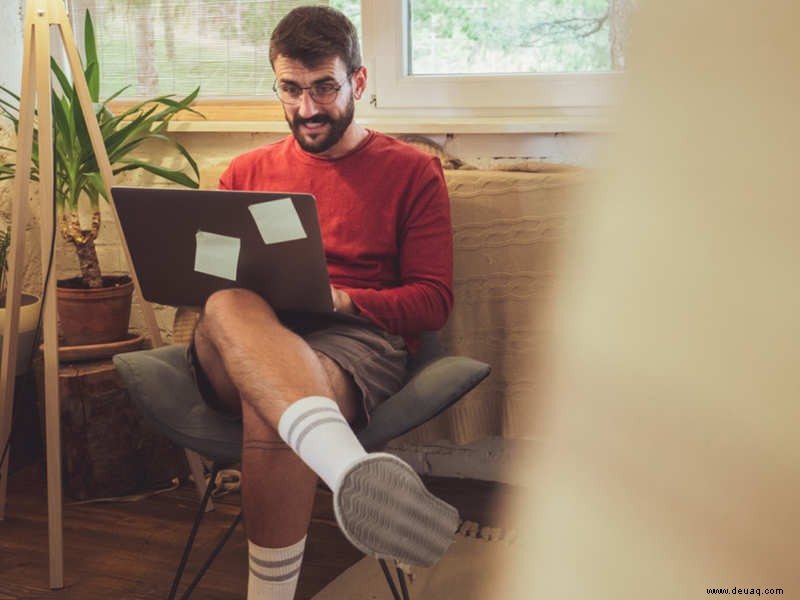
x=424, y=297
x=226, y=180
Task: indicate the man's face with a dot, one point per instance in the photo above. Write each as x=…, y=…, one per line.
x=319, y=127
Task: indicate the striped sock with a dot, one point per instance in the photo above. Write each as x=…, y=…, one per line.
x=274, y=571
x=316, y=430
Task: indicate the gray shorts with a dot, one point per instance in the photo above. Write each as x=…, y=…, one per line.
x=375, y=359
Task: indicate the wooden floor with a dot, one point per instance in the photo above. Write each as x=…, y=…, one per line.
x=130, y=550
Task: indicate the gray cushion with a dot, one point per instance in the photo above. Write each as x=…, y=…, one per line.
x=430, y=390
x=160, y=383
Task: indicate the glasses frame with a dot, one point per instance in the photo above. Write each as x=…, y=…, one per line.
x=310, y=89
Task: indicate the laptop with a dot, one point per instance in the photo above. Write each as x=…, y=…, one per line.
x=187, y=244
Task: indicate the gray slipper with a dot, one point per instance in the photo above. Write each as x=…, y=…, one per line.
x=384, y=510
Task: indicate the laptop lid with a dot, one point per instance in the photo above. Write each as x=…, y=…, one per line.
x=187, y=244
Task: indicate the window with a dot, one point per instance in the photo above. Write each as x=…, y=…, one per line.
x=440, y=58
x=508, y=36
x=502, y=54
x=172, y=46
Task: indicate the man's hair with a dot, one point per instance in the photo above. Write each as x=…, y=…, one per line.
x=312, y=34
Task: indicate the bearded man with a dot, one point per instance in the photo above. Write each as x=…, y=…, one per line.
x=299, y=389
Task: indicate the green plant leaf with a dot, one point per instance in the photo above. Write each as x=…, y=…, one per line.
x=9, y=92
x=63, y=80
x=176, y=106
x=60, y=116
x=115, y=95
x=7, y=105
x=170, y=174
x=185, y=153
x=99, y=185
x=90, y=49
x=76, y=165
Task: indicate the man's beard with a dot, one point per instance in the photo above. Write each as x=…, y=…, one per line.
x=325, y=141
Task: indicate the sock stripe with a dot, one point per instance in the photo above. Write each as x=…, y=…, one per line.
x=305, y=415
x=274, y=572
x=316, y=430
x=311, y=427
x=276, y=563
x=274, y=578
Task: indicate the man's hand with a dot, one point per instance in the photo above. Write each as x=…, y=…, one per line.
x=342, y=301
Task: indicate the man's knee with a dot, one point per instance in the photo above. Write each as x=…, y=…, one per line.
x=345, y=391
x=236, y=301
x=255, y=428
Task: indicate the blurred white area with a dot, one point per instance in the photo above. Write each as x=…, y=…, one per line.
x=673, y=459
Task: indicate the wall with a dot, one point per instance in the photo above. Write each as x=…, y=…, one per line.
x=11, y=34
x=10, y=75
x=489, y=459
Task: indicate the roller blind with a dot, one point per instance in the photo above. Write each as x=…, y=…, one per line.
x=172, y=46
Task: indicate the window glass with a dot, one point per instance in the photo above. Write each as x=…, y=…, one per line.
x=172, y=46
x=451, y=37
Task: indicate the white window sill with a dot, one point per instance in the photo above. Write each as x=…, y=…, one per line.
x=424, y=125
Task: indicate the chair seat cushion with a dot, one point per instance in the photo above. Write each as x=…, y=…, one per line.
x=429, y=391
x=160, y=382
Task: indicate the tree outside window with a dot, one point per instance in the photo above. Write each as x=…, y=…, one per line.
x=172, y=46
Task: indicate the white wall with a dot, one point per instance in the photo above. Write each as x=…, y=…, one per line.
x=10, y=76
x=11, y=34
x=486, y=151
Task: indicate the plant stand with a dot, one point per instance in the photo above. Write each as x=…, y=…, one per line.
x=107, y=449
x=40, y=16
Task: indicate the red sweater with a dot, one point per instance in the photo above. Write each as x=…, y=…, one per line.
x=384, y=213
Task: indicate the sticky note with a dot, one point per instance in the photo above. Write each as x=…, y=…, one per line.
x=277, y=221
x=217, y=254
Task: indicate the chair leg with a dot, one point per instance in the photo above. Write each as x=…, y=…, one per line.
x=388, y=575
x=401, y=576
x=212, y=484
x=196, y=469
x=217, y=549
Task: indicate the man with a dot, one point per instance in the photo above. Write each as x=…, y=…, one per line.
x=384, y=215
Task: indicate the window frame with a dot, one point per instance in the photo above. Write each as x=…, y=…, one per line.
x=216, y=109
x=400, y=102
x=574, y=96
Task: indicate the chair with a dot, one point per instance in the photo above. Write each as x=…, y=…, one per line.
x=159, y=382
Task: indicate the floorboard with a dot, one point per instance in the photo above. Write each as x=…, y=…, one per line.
x=129, y=551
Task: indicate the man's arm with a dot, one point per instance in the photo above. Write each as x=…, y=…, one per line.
x=424, y=297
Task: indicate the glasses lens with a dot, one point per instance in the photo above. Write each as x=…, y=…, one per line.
x=287, y=93
x=322, y=93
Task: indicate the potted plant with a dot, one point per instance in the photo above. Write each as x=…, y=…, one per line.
x=78, y=181
x=29, y=311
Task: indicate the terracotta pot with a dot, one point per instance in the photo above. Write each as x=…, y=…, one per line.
x=94, y=315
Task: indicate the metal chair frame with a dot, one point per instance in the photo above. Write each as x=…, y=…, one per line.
x=403, y=594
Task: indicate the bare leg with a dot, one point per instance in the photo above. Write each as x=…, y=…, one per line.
x=257, y=365
x=249, y=356
x=271, y=365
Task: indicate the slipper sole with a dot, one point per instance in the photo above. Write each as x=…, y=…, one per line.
x=384, y=510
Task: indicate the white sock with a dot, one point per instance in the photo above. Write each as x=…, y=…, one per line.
x=274, y=571
x=316, y=430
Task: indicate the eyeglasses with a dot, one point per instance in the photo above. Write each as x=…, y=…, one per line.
x=322, y=93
